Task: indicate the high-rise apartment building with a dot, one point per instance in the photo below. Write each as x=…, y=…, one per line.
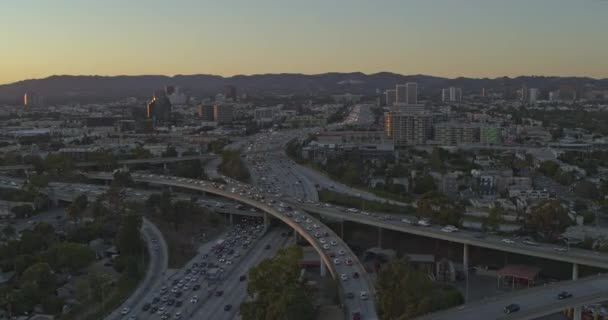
x=454, y=133
x=406, y=128
x=223, y=113
x=407, y=93
x=533, y=95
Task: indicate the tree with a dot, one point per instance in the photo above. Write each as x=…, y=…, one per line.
x=8, y=231
x=41, y=275
x=439, y=209
x=274, y=289
x=122, y=179
x=72, y=256
x=549, y=218
x=170, y=152
x=58, y=165
x=586, y=189
x=405, y=293
x=76, y=209
x=129, y=240
x=232, y=165
x=23, y=211
x=495, y=218
x=548, y=168
x=424, y=183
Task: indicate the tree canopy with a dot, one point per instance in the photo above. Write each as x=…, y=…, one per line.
x=405, y=293
x=549, y=218
x=274, y=289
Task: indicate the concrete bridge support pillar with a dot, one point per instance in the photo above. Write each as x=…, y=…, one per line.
x=231, y=218
x=266, y=222
x=322, y=268
x=379, y=237
x=577, y=310
x=465, y=268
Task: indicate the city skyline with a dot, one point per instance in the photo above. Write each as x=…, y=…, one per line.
x=474, y=39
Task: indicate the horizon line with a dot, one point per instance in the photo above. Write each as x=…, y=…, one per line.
x=297, y=73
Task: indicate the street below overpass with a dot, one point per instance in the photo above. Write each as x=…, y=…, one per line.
x=534, y=302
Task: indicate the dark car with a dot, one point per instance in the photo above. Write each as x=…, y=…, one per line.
x=511, y=308
x=564, y=295
x=350, y=295
x=153, y=309
x=219, y=293
x=155, y=300
x=356, y=275
x=267, y=247
x=356, y=315
x=171, y=302
x=196, y=287
x=178, y=294
x=242, y=278
x=178, y=303
x=227, y=307
x=146, y=307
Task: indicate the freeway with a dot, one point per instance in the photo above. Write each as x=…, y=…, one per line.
x=235, y=289
x=336, y=265
x=157, y=267
x=534, y=302
x=120, y=162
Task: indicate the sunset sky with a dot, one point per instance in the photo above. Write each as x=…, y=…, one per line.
x=475, y=38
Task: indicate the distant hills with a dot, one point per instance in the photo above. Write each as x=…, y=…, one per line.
x=60, y=89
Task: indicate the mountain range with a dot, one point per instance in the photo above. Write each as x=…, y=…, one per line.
x=64, y=88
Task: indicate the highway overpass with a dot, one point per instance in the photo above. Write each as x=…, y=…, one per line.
x=364, y=283
x=534, y=302
x=120, y=162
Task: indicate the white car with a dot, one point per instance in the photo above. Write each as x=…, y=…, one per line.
x=424, y=223
x=194, y=299
x=449, y=228
x=363, y=295
x=509, y=241
x=560, y=249
x=405, y=220
x=337, y=261
x=326, y=247
x=341, y=252
x=125, y=311
x=344, y=277
x=333, y=243
x=323, y=241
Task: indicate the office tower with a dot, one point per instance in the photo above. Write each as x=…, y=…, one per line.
x=223, y=113
x=206, y=112
x=391, y=97
x=159, y=108
x=524, y=94
x=451, y=94
x=406, y=128
x=31, y=99
x=533, y=95
x=230, y=92
x=412, y=93
x=401, y=90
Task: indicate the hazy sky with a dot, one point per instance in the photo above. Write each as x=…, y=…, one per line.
x=439, y=37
